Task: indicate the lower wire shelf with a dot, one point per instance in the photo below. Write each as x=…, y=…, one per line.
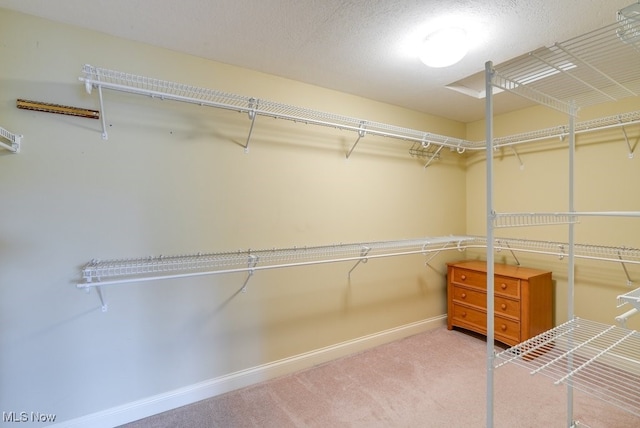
x=598, y=359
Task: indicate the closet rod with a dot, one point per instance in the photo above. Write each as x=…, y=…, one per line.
x=13, y=139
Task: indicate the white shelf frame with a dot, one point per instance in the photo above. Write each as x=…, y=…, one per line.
x=96, y=77
x=585, y=355
x=593, y=68
x=13, y=140
x=98, y=273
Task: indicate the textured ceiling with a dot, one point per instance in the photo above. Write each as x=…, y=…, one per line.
x=363, y=47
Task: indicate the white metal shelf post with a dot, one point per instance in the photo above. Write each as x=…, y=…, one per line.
x=489, y=75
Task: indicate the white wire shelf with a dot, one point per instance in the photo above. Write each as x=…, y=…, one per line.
x=532, y=219
x=561, y=132
x=596, y=67
x=597, y=359
x=95, y=77
x=13, y=140
x=502, y=220
x=108, y=272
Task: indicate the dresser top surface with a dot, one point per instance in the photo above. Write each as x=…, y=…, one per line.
x=499, y=269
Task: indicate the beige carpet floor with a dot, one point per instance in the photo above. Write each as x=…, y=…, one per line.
x=433, y=379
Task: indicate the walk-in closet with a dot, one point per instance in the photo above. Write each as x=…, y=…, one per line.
x=233, y=208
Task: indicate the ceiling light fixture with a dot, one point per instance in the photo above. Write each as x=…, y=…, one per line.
x=444, y=47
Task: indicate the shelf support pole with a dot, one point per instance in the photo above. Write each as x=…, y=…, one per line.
x=363, y=259
x=361, y=134
x=489, y=76
x=251, y=263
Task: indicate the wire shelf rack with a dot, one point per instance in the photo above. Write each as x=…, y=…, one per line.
x=600, y=360
x=167, y=90
x=118, y=271
x=561, y=132
x=532, y=219
x=502, y=220
x=596, y=67
x=14, y=140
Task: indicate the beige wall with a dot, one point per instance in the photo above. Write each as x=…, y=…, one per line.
x=173, y=179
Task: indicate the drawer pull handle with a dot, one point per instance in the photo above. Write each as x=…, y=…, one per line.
x=503, y=286
x=503, y=327
x=463, y=295
x=463, y=277
x=464, y=315
x=503, y=306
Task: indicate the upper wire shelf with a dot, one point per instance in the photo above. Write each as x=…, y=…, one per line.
x=542, y=219
x=127, y=82
x=597, y=359
x=596, y=67
x=167, y=90
x=13, y=139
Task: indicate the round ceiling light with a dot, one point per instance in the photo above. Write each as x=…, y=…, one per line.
x=444, y=47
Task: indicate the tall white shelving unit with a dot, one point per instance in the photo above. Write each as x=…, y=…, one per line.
x=601, y=360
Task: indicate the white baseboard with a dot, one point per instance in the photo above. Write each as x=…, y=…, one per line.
x=210, y=388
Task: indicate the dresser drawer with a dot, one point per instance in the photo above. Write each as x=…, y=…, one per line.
x=502, y=285
x=469, y=296
x=505, y=330
x=506, y=286
x=470, y=278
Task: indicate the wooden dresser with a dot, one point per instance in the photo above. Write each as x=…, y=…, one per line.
x=523, y=300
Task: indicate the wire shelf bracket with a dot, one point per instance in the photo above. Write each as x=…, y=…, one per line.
x=13, y=141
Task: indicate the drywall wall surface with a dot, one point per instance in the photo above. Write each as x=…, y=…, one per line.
x=604, y=180
x=173, y=179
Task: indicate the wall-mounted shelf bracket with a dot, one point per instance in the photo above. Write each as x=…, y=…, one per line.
x=499, y=245
x=626, y=138
x=13, y=139
x=251, y=264
x=103, y=302
x=363, y=259
x=436, y=155
x=252, y=115
x=426, y=250
x=361, y=133
x=515, y=152
x=626, y=272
